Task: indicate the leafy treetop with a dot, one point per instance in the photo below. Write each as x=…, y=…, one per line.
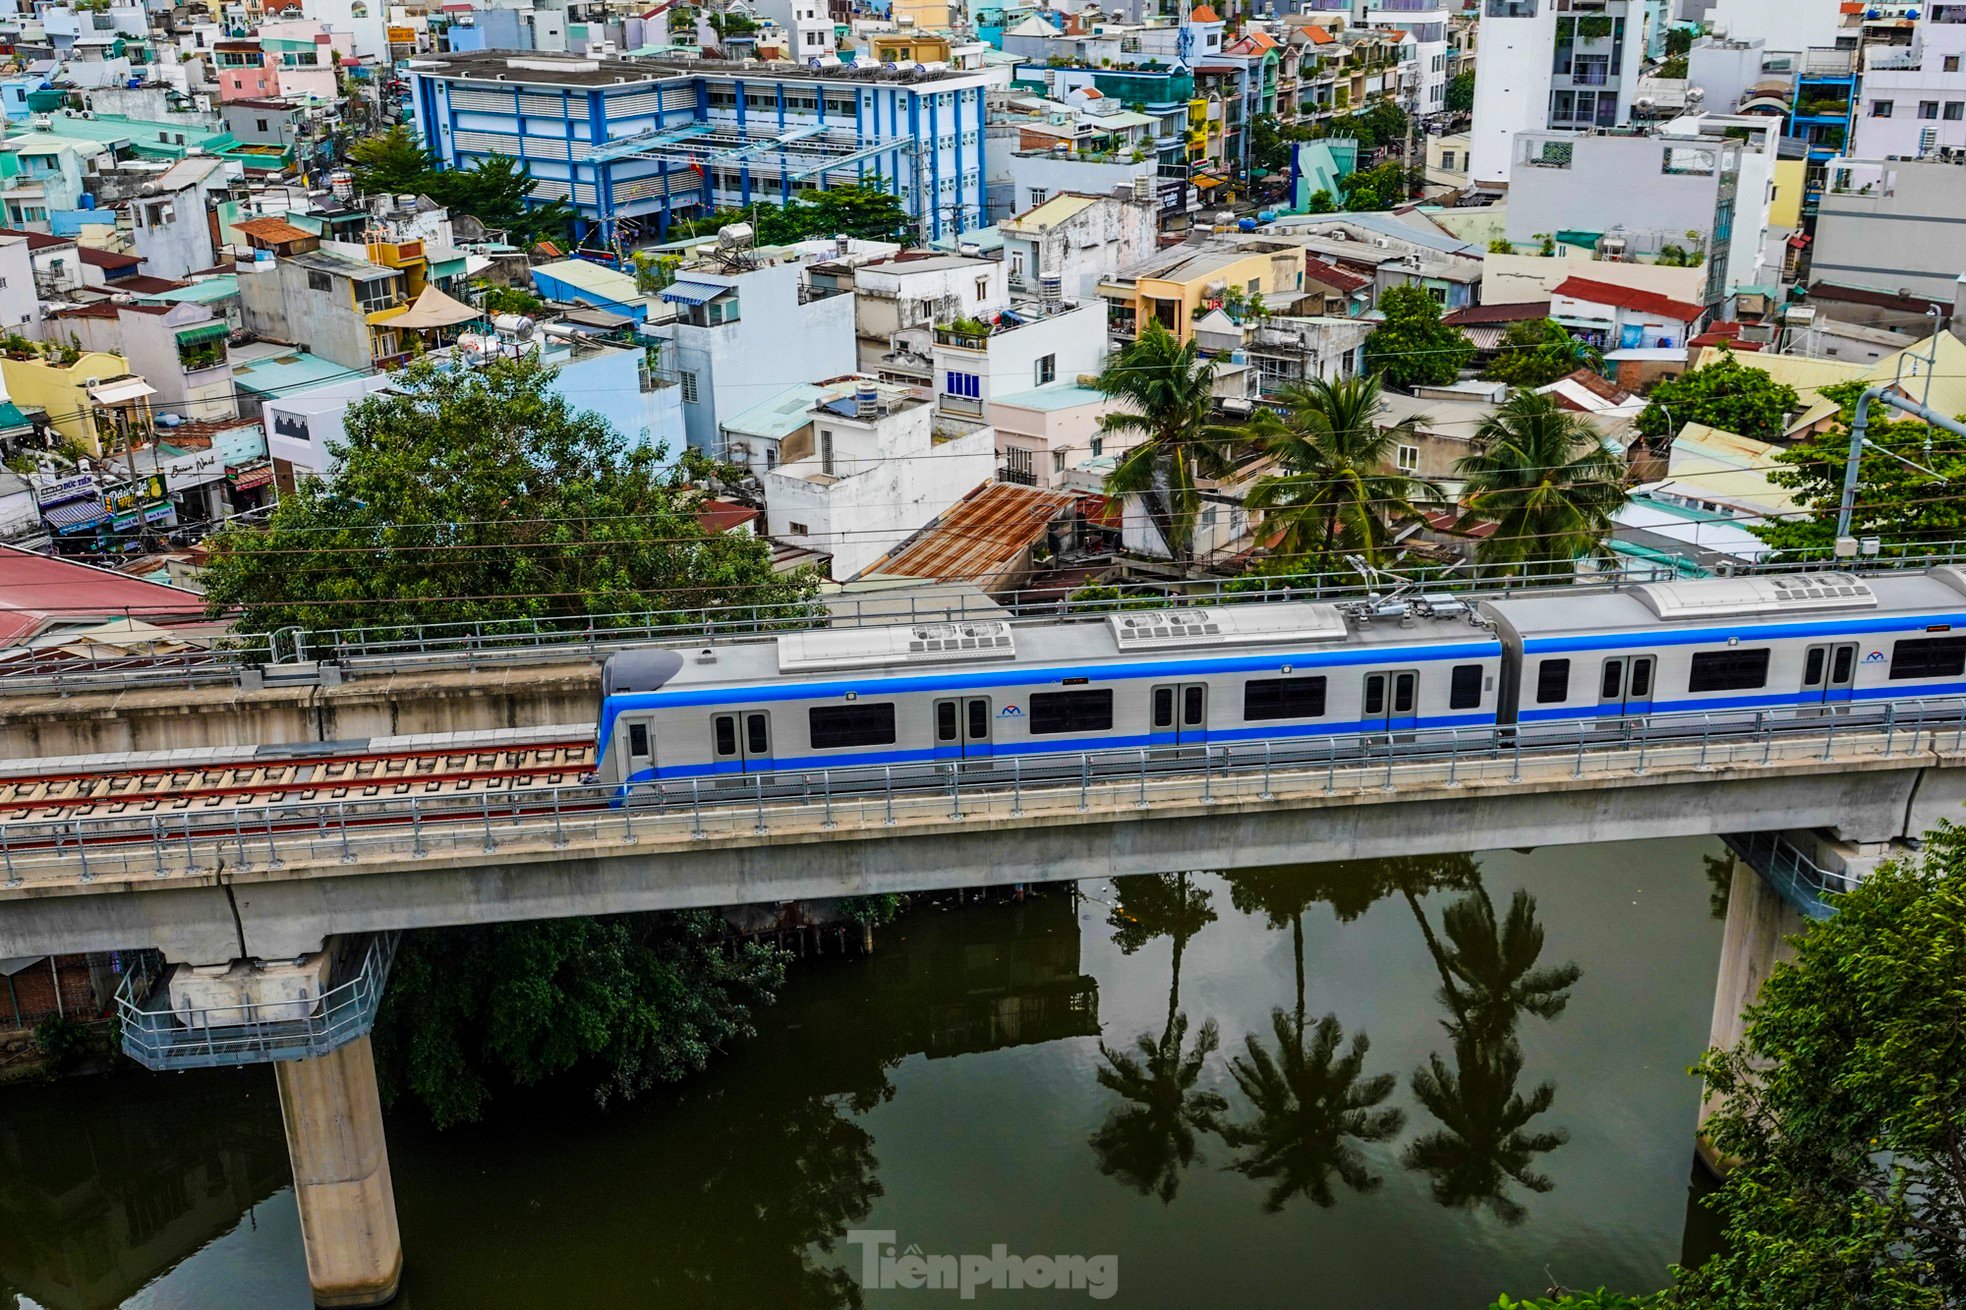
x=1725, y=394
x=1412, y=347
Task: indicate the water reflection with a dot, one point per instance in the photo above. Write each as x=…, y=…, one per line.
x=1152, y=1134
x=111, y=1182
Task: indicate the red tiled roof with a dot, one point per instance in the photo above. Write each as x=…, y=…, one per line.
x=719, y=516
x=1484, y=315
x=1319, y=35
x=37, y=240
x=98, y=258
x=1333, y=276
x=1724, y=334
x=145, y=285
x=1202, y=14
x=1646, y=302
x=40, y=591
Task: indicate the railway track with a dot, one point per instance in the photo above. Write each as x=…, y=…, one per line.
x=169, y=786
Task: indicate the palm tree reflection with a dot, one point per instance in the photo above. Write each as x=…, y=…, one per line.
x=1153, y=1134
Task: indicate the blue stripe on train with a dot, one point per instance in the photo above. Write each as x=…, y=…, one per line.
x=1071, y=746
x=1762, y=702
x=1910, y=625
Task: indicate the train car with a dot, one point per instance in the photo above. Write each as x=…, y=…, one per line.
x=921, y=697
x=1735, y=648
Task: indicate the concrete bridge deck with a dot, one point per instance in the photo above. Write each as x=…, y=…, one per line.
x=280, y=889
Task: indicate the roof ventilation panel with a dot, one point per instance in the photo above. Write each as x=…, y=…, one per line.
x=919, y=643
x=1716, y=598
x=1162, y=629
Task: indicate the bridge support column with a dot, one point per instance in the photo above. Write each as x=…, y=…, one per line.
x=1759, y=925
x=333, y=1115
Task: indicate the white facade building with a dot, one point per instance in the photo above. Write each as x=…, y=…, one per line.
x=1028, y=346
x=19, y=306
x=1914, y=97
x=871, y=465
x=1543, y=67
x=1073, y=242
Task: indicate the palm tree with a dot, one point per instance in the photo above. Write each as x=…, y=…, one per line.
x=1152, y=1135
x=1168, y=389
x=1337, y=491
x=1543, y=476
x=1312, y=1108
x=1483, y=1144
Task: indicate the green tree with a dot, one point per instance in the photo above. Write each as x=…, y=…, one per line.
x=1542, y=475
x=1268, y=148
x=1152, y=1136
x=1536, y=352
x=1726, y=394
x=1167, y=388
x=1843, y=1110
x=1380, y=187
x=498, y=192
x=1895, y=501
x=482, y=494
x=1337, y=492
x=630, y=1001
x=1460, y=93
x=1412, y=347
x=393, y=163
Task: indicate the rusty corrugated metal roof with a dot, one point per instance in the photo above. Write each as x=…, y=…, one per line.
x=980, y=537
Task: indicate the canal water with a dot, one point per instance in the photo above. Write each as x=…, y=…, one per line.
x=1387, y=1084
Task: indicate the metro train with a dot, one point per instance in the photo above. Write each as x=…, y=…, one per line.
x=1292, y=674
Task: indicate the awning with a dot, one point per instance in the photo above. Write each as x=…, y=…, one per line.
x=692, y=293
x=76, y=515
x=434, y=309
x=248, y=478
x=1206, y=182
x=191, y=336
x=117, y=390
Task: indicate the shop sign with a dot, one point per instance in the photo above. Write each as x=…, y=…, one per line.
x=194, y=470
x=50, y=490
x=137, y=491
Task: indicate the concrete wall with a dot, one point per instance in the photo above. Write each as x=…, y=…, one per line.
x=1910, y=232
x=96, y=723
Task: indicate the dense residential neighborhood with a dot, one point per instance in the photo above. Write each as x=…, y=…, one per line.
x=521, y=521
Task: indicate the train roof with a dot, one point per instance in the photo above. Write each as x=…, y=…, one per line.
x=1729, y=602
x=1168, y=633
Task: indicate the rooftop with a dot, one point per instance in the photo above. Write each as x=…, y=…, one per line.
x=99, y=258
x=42, y=592
x=358, y=270
x=1055, y=210
x=1646, y=302
x=980, y=538
x=273, y=231
x=1053, y=395
x=537, y=68
x=269, y=370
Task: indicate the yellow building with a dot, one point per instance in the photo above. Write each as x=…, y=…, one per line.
x=1785, y=208
x=1179, y=286
x=910, y=47
x=95, y=402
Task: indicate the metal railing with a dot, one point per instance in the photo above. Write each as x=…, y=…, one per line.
x=156, y=849
x=1798, y=879
x=159, y=1036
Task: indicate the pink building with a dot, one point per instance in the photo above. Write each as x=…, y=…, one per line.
x=240, y=66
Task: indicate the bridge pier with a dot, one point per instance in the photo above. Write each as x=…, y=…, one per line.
x=1759, y=925
x=333, y=1116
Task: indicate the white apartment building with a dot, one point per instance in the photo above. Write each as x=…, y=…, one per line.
x=1551, y=65
x=1913, y=98
x=869, y=466
x=1073, y=242
x=897, y=303
x=1028, y=345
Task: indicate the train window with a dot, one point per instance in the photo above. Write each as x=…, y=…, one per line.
x=1163, y=707
x=1283, y=698
x=1641, y=678
x=1405, y=686
x=979, y=718
x=1375, y=694
x=1613, y=686
x=1812, y=668
x=726, y=729
x=835, y=727
x=638, y=739
x=1846, y=664
x=1071, y=711
x=1191, y=704
x=945, y=721
x=1729, y=670
x=1928, y=657
x=1464, y=689
x=757, y=738
x=1552, y=682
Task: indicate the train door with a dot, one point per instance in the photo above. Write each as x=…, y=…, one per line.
x=962, y=728
x=1180, y=713
x=1624, y=692
x=1392, y=701
x=741, y=742
x=1829, y=672
x=638, y=750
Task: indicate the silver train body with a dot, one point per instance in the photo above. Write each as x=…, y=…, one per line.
x=1297, y=676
